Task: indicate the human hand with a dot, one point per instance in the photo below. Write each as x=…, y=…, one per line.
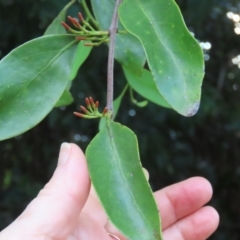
x=66, y=208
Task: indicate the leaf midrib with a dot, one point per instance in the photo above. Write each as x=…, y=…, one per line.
x=114, y=148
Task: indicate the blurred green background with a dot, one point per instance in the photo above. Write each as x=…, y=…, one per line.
x=172, y=147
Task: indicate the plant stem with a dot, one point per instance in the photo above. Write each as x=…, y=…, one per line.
x=69, y=4
x=112, y=34
x=89, y=15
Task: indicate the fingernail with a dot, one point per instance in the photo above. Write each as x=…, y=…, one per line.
x=64, y=153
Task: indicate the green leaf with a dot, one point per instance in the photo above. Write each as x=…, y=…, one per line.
x=174, y=56
x=128, y=49
x=55, y=27
x=81, y=55
x=65, y=99
x=116, y=106
x=32, y=78
x=103, y=11
x=124, y=192
x=145, y=86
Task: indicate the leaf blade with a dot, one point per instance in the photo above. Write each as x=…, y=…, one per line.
x=173, y=55
x=65, y=99
x=124, y=192
x=29, y=91
x=55, y=27
x=145, y=86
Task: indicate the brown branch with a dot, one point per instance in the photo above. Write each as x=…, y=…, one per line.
x=110, y=77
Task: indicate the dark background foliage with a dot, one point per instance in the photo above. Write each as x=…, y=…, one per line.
x=172, y=147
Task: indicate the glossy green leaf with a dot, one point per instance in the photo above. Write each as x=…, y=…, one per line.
x=55, y=27
x=32, y=78
x=128, y=49
x=81, y=55
x=124, y=192
x=116, y=106
x=103, y=11
x=174, y=56
x=65, y=99
x=145, y=86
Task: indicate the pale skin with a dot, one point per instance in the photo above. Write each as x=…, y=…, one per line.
x=68, y=209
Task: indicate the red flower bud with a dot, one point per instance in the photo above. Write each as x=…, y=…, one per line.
x=87, y=102
x=105, y=110
x=91, y=101
x=96, y=104
x=78, y=114
x=80, y=16
x=65, y=25
x=84, y=109
x=74, y=22
x=80, y=38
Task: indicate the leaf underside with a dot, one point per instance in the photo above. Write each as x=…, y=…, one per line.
x=174, y=56
x=145, y=86
x=65, y=99
x=124, y=192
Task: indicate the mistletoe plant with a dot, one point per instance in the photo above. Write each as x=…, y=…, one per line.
x=161, y=61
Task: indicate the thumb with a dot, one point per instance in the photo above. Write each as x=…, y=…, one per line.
x=54, y=212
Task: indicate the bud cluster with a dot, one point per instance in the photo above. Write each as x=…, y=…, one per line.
x=91, y=110
x=84, y=31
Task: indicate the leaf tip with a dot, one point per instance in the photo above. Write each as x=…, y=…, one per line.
x=193, y=109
